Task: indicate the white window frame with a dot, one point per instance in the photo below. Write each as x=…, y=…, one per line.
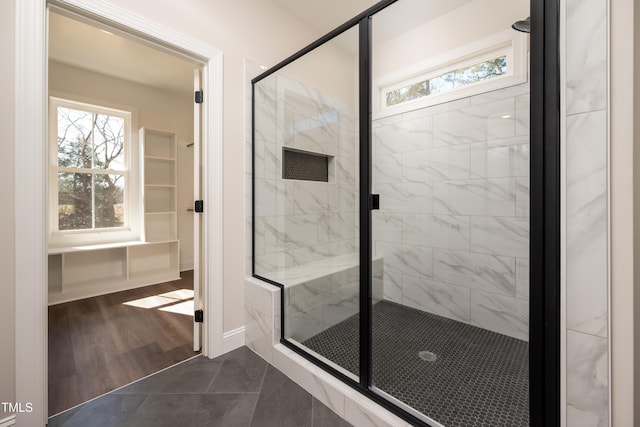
x=509, y=43
x=130, y=231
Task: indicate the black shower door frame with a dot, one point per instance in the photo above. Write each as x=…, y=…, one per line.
x=544, y=253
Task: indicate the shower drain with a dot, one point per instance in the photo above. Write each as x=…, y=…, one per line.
x=427, y=356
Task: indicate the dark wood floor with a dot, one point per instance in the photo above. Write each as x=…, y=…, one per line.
x=99, y=344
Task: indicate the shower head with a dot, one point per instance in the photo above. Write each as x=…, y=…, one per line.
x=523, y=26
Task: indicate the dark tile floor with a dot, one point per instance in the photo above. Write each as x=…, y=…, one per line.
x=479, y=378
x=236, y=389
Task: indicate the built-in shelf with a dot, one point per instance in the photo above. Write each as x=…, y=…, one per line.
x=159, y=171
x=163, y=159
x=82, y=272
x=158, y=143
x=159, y=150
x=160, y=226
x=85, y=271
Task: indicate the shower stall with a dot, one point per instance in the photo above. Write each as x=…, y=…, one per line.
x=391, y=176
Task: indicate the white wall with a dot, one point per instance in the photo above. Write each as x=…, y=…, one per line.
x=156, y=109
x=625, y=211
x=331, y=69
x=7, y=258
x=445, y=33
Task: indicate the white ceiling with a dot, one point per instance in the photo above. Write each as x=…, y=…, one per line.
x=326, y=15
x=76, y=43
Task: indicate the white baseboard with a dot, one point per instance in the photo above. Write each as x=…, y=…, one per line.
x=231, y=340
x=10, y=421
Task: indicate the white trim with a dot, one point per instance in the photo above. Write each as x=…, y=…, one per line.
x=233, y=339
x=610, y=338
x=132, y=220
x=31, y=184
x=510, y=43
x=30, y=223
x=8, y=422
x=212, y=232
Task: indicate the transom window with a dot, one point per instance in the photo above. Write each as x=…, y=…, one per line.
x=451, y=80
x=487, y=64
x=90, y=171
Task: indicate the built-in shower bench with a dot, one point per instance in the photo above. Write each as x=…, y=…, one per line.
x=322, y=293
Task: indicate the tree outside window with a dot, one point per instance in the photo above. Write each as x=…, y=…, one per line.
x=451, y=80
x=91, y=169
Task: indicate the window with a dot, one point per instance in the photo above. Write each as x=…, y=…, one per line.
x=489, y=64
x=484, y=70
x=89, y=180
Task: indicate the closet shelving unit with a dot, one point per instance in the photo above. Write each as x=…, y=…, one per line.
x=86, y=271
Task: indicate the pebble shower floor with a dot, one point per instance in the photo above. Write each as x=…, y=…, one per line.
x=478, y=379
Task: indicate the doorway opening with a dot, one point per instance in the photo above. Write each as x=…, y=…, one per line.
x=31, y=181
x=124, y=240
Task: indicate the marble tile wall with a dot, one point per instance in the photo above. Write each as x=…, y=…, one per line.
x=453, y=224
x=586, y=163
x=300, y=222
x=303, y=228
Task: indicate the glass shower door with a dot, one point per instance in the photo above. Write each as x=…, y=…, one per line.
x=306, y=198
x=450, y=242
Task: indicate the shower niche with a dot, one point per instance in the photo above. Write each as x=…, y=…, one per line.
x=421, y=303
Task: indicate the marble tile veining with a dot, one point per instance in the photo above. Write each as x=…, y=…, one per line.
x=446, y=163
x=489, y=273
x=407, y=259
x=502, y=314
x=586, y=55
x=437, y=298
x=522, y=278
x=500, y=158
x=507, y=236
x=387, y=227
x=408, y=197
x=587, y=380
x=494, y=196
x=587, y=271
x=522, y=196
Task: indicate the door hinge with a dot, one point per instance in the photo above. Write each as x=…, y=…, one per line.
x=199, y=206
x=199, y=96
x=198, y=316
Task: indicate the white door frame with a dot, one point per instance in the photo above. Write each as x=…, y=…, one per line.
x=31, y=184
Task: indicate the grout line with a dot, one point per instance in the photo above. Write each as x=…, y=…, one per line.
x=215, y=376
x=126, y=423
x=255, y=405
x=313, y=401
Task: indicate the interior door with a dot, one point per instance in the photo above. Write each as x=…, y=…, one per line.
x=197, y=217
